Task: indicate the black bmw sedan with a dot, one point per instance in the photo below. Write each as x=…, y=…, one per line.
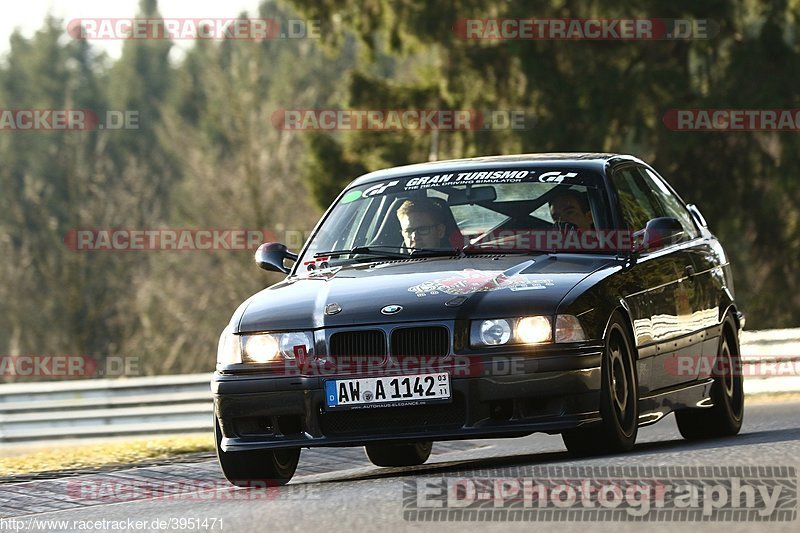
x=488, y=297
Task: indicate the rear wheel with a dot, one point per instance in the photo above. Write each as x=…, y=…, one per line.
x=724, y=419
x=619, y=399
x=252, y=467
x=399, y=454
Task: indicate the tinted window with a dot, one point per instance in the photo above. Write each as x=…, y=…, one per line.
x=670, y=203
x=476, y=207
x=636, y=202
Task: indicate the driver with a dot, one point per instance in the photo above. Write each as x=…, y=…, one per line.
x=422, y=223
x=571, y=207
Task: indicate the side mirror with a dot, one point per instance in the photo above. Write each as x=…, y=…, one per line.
x=698, y=216
x=661, y=232
x=270, y=257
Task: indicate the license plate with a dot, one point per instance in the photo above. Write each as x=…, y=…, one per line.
x=395, y=391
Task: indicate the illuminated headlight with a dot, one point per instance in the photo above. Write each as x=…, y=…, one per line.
x=499, y=331
x=273, y=347
x=229, y=350
x=260, y=348
x=533, y=329
x=568, y=329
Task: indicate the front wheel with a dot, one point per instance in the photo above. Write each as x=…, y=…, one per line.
x=252, y=467
x=724, y=419
x=619, y=399
x=399, y=454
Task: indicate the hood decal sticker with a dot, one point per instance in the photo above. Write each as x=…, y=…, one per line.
x=473, y=281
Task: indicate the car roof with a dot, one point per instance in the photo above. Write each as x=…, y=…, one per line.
x=588, y=160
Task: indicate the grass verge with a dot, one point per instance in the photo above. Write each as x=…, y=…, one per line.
x=770, y=397
x=96, y=455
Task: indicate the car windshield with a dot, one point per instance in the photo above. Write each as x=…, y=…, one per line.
x=456, y=213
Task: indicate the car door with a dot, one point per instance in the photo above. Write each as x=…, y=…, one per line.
x=697, y=305
x=653, y=296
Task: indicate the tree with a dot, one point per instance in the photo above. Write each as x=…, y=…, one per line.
x=600, y=96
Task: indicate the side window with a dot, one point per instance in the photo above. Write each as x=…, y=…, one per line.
x=637, y=204
x=670, y=203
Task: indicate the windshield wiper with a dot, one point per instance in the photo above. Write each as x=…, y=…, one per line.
x=364, y=250
x=472, y=249
x=393, y=251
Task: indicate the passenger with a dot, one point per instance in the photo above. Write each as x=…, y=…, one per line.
x=571, y=207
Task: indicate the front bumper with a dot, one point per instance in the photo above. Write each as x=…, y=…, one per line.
x=550, y=393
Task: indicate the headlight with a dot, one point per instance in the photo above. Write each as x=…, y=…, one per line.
x=260, y=348
x=533, y=329
x=525, y=330
x=273, y=347
x=229, y=351
x=499, y=331
x=568, y=329
x=494, y=332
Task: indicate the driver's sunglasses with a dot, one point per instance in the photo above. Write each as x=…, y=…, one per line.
x=423, y=231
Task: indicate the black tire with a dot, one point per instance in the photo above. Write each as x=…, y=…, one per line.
x=252, y=468
x=619, y=399
x=399, y=454
x=724, y=419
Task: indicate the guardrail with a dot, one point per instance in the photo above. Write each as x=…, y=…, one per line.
x=178, y=404
x=105, y=407
x=773, y=357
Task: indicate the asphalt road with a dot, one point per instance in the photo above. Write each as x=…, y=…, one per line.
x=338, y=490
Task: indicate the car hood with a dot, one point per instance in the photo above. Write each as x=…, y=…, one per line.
x=424, y=289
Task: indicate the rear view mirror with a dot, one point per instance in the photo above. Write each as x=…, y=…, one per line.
x=472, y=195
